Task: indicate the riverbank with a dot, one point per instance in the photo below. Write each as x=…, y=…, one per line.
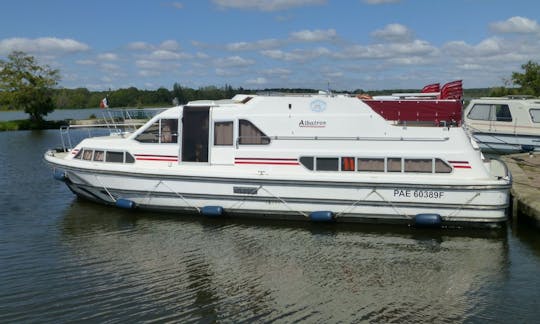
x=26, y=124
x=525, y=169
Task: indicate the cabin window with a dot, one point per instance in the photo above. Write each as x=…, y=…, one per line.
x=418, y=165
x=502, y=113
x=98, y=155
x=490, y=112
x=114, y=157
x=327, y=164
x=393, y=164
x=250, y=134
x=347, y=164
x=79, y=154
x=307, y=161
x=535, y=115
x=223, y=133
x=129, y=158
x=442, y=167
x=169, y=130
x=87, y=155
x=371, y=164
x=161, y=131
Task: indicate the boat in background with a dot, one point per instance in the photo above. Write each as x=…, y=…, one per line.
x=505, y=125
x=310, y=157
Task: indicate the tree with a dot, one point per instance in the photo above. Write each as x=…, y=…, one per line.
x=530, y=79
x=26, y=85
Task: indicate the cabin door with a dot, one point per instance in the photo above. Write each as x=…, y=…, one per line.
x=195, y=134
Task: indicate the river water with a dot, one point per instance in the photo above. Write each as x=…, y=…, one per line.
x=67, y=260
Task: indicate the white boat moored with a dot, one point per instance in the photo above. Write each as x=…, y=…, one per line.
x=310, y=157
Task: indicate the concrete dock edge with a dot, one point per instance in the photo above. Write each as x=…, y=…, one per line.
x=525, y=169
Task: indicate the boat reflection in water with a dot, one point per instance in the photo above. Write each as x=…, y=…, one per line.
x=144, y=266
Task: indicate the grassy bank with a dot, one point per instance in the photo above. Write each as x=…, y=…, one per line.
x=26, y=124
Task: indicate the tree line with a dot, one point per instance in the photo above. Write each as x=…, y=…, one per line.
x=26, y=85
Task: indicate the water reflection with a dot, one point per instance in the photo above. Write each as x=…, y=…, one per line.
x=210, y=270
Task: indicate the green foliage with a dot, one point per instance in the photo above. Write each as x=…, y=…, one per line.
x=27, y=86
x=529, y=80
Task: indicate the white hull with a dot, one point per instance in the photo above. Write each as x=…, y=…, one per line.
x=291, y=199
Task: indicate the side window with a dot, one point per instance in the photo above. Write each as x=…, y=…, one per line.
x=307, y=161
x=129, y=158
x=442, y=167
x=169, y=130
x=87, y=155
x=79, y=154
x=347, y=164
x=393, y=164
x=327, y=164
x=98, y=155
x=223, y=133
x=535, y=115
x=419, y=165
x=502, y=113
x=480, y=112
x=115, y=157
x=150, y=134
x=371, y=164
x=250, y=134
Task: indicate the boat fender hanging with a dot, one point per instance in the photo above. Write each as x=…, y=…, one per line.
x=321, y=216
x=59, y=175
x=125, y=203
x=427, y=220
x=212, y=211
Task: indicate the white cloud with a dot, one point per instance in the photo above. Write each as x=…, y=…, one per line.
x=166, y=55
x=317, y=35
x=388, y=51
x=233, y=61
x=254, y=46
x=520, y=25
x=267, y=5
x=140, y=46
x=108, y=57
x=299, y=55
x=257, y=81
x=394, y=33
x=169, y=45
x=377, y=2
x=277, y=71
x=86, y=62
x=43, y=45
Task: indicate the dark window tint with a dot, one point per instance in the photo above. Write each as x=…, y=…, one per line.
x=307, y=161
x=480, y=112
x=502, y=113
x=150, y=134
x=327, y=164
x=535, y=115
x=115, y=157
x=129, y=158
x=169, y=131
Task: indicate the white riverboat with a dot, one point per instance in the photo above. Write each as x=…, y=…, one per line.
x=317, y=157
x=505, y=124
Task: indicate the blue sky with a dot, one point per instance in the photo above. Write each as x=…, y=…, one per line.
x=256, y=44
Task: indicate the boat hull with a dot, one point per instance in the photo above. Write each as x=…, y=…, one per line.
x=507, y=143
x=296, y=200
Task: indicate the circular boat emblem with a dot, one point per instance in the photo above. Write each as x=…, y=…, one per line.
x=318, y=105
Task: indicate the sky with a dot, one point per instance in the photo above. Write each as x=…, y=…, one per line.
x=257, y=44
